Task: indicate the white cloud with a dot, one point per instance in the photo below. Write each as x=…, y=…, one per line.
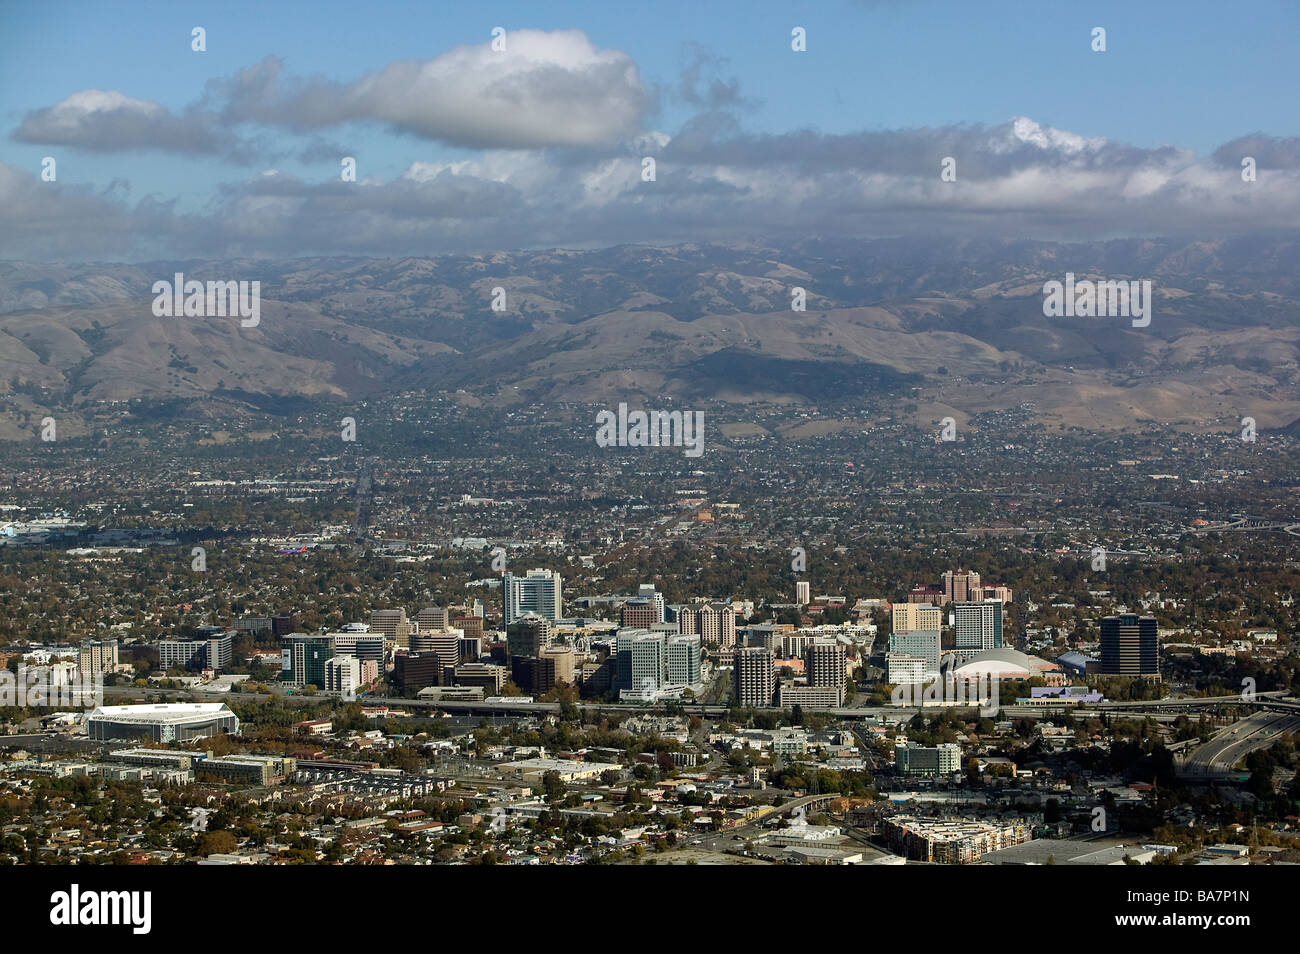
x=545, y=89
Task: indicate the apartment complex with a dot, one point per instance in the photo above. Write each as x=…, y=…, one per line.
x=754, y=677
x=97, y=656
x=714, y=623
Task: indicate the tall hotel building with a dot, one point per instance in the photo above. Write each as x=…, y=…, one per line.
x=97, y=655
x=911, y=616
x=957, y=585
x=978, y=626
x=539, y=592
x=826, y=667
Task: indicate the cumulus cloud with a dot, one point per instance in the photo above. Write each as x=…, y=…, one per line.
x=108, y=121
x=545, y=89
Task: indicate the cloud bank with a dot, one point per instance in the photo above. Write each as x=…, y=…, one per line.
x=561, y=130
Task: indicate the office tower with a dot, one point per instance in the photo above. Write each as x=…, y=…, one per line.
x=714, y=623
x=389, y=622
x=534, y=675
x=342, y=674
x=754, y=677
x=471, y=647
x=803, y=592
x=683, y=668
x=638, y=613
x=825, y=659
x=528, y=636
x=909, y=616
x=565, y=660
x=416, y=671
x=253, y=625
x=539, y=592
x=1130, y=646
x=283, y=624
x=648, y=591
x=978, y=625
x=921, y=643
x=640, y=660
x=363, y=645
x=445, y=644
x=305, y=657
x=432, y=618
x=471, y=626
x=957, y=585
x=490, y=678
x=220, y=651
x=97, y=656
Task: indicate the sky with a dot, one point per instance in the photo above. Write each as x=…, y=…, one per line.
x=237, y=150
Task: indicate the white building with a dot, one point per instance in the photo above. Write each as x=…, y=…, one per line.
x=539, y=592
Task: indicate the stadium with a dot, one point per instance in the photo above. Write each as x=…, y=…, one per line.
x=173, y=722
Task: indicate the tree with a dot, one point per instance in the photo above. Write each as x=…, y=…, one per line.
x=553, y=785
x=217, y=842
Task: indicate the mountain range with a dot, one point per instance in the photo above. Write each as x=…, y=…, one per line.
x=929, y=328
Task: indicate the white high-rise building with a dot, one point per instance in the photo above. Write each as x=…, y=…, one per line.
x=902, y=669
x=683, y=667
x=539, y=592
x=343, y=674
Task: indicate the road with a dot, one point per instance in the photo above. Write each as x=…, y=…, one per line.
x=1216, y=758
x=364, y=494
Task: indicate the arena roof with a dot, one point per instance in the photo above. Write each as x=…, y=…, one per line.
x=162, y=712
x=1003, y=660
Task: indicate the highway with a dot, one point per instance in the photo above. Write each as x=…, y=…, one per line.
x=1270, y=701
x=507, y=707
x=1216, y=758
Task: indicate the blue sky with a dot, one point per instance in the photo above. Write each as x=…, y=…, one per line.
x=1191, y=75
